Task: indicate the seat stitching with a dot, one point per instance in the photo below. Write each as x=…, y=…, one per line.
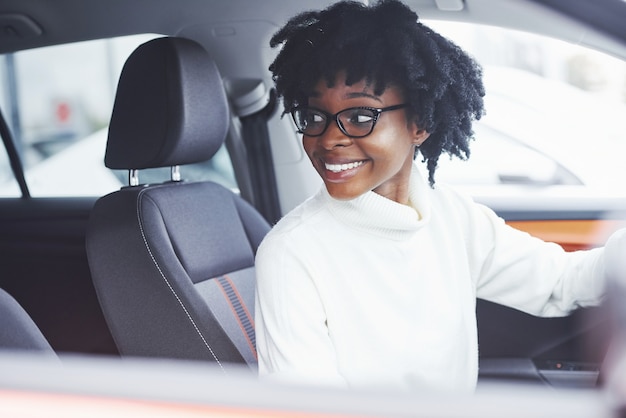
x=169, y=286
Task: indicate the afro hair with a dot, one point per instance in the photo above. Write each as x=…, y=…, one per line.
x=384, y=44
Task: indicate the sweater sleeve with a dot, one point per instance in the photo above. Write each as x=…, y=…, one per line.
x=513, y=268
x=291, y=333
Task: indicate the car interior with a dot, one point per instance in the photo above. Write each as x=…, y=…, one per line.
x=165, y=268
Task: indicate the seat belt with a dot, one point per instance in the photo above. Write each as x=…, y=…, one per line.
x=14, y=157
x=256, y=137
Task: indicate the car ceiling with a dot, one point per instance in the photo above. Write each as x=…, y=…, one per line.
x=33, y=23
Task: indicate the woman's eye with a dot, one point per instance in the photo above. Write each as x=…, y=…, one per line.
x=312, y=119
x=364, y=118
x=316, y=118
x=360, y=117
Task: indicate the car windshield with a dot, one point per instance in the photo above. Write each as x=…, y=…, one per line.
x=554, y=112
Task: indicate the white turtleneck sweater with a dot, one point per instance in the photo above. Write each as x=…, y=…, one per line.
x=369, y=292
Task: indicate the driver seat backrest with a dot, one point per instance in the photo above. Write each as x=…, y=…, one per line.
x=173, y=263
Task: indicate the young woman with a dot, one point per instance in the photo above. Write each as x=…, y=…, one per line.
x=373, y=280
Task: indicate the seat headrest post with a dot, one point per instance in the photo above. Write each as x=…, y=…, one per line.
x=175, y=170
x=133, y=177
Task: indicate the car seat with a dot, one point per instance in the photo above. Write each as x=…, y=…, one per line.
x=173, y=263
x=17, y=329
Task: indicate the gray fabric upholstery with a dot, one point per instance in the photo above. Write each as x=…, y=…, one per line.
x=154, y=251
x=17, y=329
x=170, y=107
x=214, y=290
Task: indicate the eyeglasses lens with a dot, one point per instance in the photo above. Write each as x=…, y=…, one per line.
x=309, y=121
x=355, y=122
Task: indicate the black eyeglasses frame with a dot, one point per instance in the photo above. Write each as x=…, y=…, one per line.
x=330, y=117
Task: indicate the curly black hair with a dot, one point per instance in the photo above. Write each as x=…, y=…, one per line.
x=384, y=44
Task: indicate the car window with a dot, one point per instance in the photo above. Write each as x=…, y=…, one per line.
x=57, y=102
x=554, y=113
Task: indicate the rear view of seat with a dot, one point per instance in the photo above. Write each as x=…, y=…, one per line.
x=173, y=263
x=17, y=329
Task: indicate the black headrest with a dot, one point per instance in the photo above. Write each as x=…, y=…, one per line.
x=170, y=107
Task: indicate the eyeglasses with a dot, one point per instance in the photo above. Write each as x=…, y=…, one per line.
x=355, y=122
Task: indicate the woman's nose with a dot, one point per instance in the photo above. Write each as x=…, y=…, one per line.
x=334, y=137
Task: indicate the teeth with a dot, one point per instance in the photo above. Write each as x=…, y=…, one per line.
x=336, y=168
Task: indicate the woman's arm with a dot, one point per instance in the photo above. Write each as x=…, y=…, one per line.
x=291, y=332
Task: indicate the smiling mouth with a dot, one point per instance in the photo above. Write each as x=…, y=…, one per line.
x=337, y=168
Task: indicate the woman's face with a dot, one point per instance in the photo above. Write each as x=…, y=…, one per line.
x=381, y=161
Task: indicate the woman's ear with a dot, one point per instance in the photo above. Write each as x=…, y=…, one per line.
x=419, y=135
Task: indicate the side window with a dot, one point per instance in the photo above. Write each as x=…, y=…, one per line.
x=57, y=102
x=554, y=113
